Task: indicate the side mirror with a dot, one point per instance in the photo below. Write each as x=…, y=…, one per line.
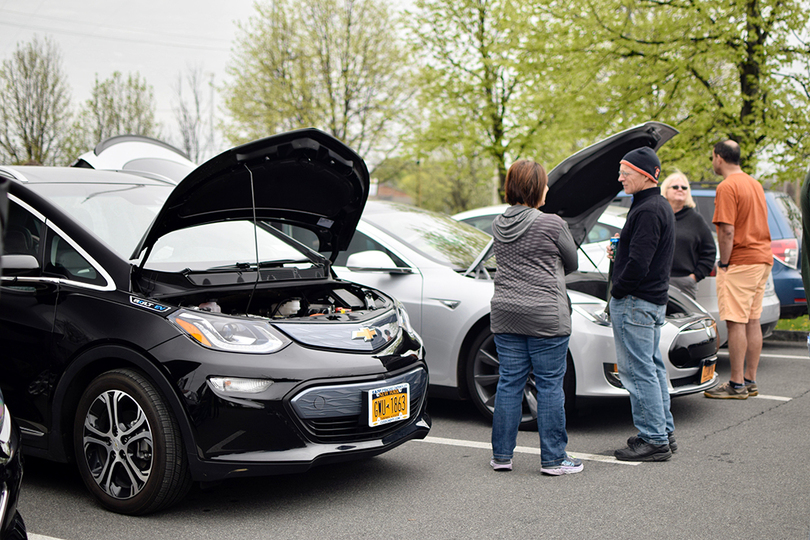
x=374, y=261
x=19, y=265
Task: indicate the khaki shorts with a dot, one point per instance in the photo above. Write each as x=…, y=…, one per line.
x=740, y=289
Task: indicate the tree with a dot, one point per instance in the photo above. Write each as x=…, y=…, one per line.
x=120, y=107
x=194, y=116
x=712, y=70
x=34, y=104
x=116, y=106
x=495, y=83
x=337, y=65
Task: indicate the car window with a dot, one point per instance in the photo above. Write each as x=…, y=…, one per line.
x=219, y=245
x=361, y=242
x=437, y=237
x=23, y=232
x=64, y=260
x=482, y=223
x=793, y=217
x=118, y=214
x=601, y=232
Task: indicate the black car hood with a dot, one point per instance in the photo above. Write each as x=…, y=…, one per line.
x=584, y=184
x=305, y=178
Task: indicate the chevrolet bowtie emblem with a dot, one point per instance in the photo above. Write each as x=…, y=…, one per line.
x=366, y=333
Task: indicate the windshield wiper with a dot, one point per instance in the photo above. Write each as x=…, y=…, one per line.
x=262, y=264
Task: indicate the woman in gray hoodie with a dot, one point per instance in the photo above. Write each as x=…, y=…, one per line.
x=531, y=318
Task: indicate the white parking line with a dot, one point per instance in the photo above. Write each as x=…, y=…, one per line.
x=789, y=356
x=525, y=450
x=775, y=398
x=32, y=536
x=767, y=355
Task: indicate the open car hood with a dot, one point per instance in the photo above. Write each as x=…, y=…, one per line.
x=584, y=184
x=305, y=178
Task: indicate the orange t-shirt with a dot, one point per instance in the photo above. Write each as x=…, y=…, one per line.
x=740, y=201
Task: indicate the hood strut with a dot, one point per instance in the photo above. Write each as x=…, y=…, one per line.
x=255, y=240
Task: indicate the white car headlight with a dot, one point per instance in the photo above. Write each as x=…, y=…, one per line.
x=232, y=334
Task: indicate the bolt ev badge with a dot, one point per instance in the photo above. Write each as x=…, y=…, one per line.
x=366, y=333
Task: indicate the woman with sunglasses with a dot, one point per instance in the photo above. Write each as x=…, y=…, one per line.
x=695, y=249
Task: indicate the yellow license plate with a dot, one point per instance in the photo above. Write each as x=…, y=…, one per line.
x=389, y=404
x=707, y=373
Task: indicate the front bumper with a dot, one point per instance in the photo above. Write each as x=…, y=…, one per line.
x=297, y=424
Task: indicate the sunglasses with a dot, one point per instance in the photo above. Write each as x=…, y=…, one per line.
x=685, y=188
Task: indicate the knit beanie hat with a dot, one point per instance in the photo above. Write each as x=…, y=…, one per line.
x=644, y=161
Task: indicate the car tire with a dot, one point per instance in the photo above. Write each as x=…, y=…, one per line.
x=482, y=382
x=141, y=468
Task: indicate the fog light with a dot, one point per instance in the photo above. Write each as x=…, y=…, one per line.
x=612, y=375
x=239, y=385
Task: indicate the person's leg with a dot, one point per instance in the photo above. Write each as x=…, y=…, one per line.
x=514, y=369
x=661, y=370
x=753, y=334
x=737, y=346
x=753, y=330
x=549, y=362
x=634, y=323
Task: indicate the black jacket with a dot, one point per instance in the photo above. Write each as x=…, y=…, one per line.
x=646, y=248
x=695, y=251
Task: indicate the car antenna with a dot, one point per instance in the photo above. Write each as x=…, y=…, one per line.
x=255, y=240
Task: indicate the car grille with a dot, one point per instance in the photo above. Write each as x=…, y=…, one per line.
x=694, y=343
x=336, y=413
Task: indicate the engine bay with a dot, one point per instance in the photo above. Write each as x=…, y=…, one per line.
x=336, y=301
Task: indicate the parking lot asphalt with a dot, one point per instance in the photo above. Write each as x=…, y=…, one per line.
x=741, y=472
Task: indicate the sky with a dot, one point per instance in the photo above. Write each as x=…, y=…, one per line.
x=160, y=39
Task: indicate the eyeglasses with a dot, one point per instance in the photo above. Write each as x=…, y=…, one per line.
x=625, y=173
x=685, y=188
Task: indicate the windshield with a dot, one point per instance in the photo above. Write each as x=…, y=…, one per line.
x=118, y=214
x=436, y=236
x=224, y=245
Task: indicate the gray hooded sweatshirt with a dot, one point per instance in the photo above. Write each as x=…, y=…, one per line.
x=534, y=251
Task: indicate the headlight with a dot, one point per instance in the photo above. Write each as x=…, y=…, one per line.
x=404, y=319
x=240, y=385
x=233, y=334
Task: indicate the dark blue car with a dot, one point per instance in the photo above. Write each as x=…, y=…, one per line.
x=785, y=223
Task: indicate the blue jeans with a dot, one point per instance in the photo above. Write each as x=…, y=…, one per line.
x=637, y=333
x=518, y=355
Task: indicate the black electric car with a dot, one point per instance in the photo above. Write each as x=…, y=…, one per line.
x=158, y=334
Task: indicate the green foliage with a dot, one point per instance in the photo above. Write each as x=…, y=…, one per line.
x=332, y=64
x=451, y=184
x=712, y=70
x=34, y=104
x=497, y=85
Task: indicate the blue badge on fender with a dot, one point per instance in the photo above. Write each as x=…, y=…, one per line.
x=148, y=304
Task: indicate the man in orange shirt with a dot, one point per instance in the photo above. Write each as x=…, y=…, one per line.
x=741, y=217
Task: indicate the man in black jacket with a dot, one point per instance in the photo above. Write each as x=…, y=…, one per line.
x=638, y=306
